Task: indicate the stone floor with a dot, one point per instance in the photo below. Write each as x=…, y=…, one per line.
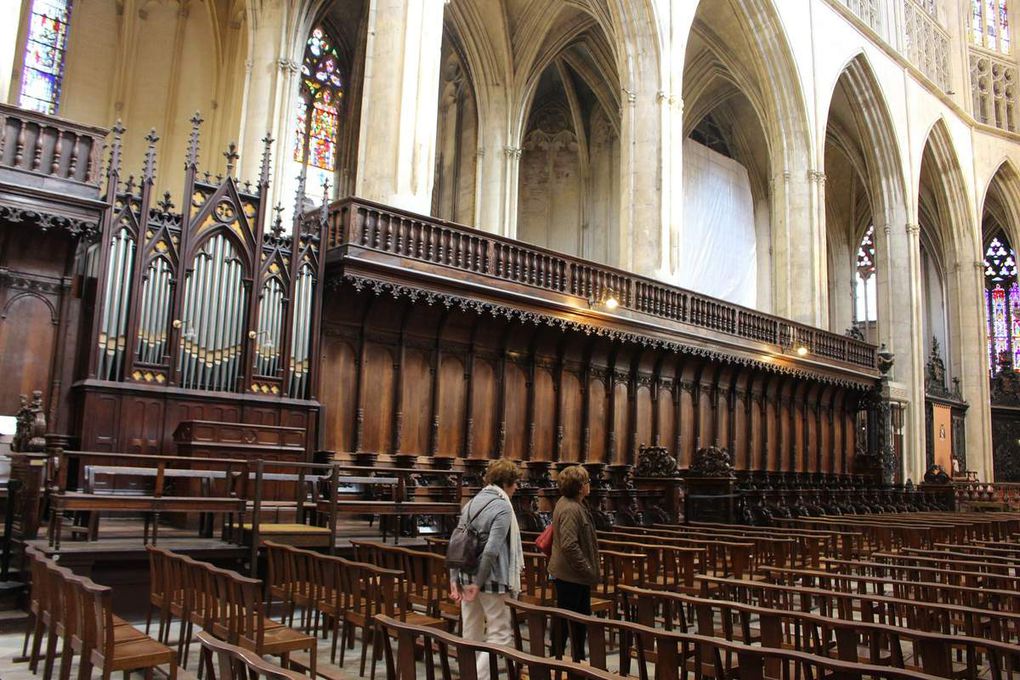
x=11, y=648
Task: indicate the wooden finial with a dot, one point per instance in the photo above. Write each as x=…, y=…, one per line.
x=299, y=201
x=166, y=206
x=231, y=155
x=115, y=148
x=267, y=142
x=149, y=174
x=192, y=160
x=277, y=227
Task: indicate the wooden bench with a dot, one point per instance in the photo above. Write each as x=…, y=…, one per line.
x=228, y=499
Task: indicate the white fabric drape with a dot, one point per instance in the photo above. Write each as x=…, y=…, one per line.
x=718, y=256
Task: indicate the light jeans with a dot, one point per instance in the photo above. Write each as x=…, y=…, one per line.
x=487, y=619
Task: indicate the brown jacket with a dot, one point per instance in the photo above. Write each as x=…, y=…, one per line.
x=575, y=548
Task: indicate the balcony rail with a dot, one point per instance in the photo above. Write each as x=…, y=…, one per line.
x=355, y=222
x=49, y=147
x=993, y=88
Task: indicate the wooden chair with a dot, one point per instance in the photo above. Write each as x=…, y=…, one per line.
x=223, y=661
x=112, y=644
x=241, y=620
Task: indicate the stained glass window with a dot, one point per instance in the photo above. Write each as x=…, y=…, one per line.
x=989, y=24
x=44, y=55
x=865, y=297
x=321, y=92
x=1002, y=303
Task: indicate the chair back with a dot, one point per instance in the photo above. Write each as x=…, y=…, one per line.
x=223, y=661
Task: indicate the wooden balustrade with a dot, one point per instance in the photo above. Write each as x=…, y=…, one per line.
x=50, y=147
x=358, y=223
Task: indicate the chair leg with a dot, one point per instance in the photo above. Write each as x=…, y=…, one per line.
x=28, y=634
x=85, y=665
x=313, y=652
x=65, y=659
x=33, y=661
x=364, y=648
x=51, y=652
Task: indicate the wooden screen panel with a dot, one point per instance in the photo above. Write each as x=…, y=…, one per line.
x=27, y=333
x=620, y=417
x=415, y=402
x=339, y=376
x=667, y=419
x=570, y=410
x=597, y=407
x=451, y=405
x=99, y=429
x=516, y=411
x=142, y=425
x=643, y=427
x=545, y=414
x=484, y=420
x=378, y=383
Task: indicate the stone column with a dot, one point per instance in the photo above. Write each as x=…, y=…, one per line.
x=400, y=103
x=492, y=181
x=511, y=170
x=800, y=289
x=972, y=348
x=900, y=328
x=644, y=233
x=271, y=72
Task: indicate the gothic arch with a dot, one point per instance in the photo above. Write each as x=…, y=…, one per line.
x=1000, y=207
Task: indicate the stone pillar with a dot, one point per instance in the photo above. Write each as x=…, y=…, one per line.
x=799, y=285
x=900, y=328
x=492, y=181
x=270, y=89
x=973, y=371
x=400, y=103
x=511, y=170
x=643, y=230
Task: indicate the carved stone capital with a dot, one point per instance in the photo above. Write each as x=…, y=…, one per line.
x=513, y=152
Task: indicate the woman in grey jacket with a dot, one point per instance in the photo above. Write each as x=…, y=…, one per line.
x=482, y=595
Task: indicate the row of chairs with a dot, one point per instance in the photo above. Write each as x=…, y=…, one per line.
x=76, y=613
x=222, y=603
x=347, y=595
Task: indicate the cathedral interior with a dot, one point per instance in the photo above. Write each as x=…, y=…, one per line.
x=278, y=278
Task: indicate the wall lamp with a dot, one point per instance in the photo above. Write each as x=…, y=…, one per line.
x=607, y=301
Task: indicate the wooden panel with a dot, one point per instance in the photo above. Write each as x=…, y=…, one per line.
x=621, y=421
x=545, y=414
x=571, y=405
x=142, y=425
x=451, y=406
x=667, y=418
x=417, y=394
x=516, y=411
x=27, y=333
x=378, y=383
x=643, y=426
x=484, y=419
x=338, y=378
x=597, y=406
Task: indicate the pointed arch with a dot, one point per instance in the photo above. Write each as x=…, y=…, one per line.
x=942, y=197
x=1000, y=205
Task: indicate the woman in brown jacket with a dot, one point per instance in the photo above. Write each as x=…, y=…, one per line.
x=574, y=565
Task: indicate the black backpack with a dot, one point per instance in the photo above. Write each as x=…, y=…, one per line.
x=465, y=548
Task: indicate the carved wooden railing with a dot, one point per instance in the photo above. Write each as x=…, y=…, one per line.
x=970, y=492
x=356, y=222
x=50, y=147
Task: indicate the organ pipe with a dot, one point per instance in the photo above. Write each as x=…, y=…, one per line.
x=299, y=350
x=113, y=319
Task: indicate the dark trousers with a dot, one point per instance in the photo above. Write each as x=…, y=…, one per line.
x=574, y=597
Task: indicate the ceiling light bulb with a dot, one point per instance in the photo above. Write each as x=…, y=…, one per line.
x=611, y=303
x=802, y=351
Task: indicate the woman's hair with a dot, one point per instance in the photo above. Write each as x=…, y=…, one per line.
x=502, y=473
x=571, y=480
